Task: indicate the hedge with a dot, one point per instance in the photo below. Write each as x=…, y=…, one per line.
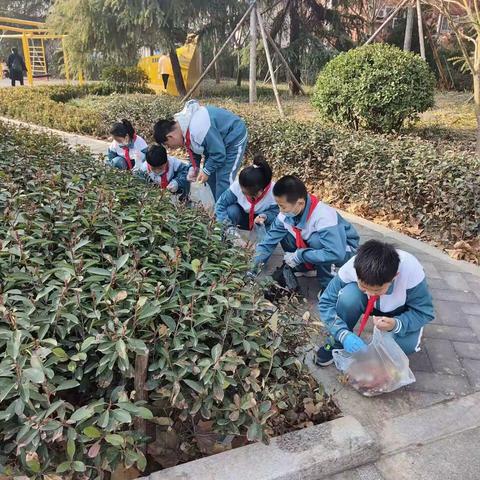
x=100, y=273
x=435, y=191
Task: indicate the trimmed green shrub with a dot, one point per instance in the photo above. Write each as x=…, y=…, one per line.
x=377, y=87
x=98, y=273
x=126, y=79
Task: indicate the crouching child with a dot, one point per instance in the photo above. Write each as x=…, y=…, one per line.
x=314, y=237
x=385, y=282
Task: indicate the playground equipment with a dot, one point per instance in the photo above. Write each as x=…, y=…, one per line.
x=160, y=72
x=33, y=36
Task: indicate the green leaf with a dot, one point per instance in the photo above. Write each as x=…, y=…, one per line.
x=122, y=261
x=115, y=439
x=71, y=448
x=216, y=352
x=78, y=466
x=60, y=353
x=144, y=413
x=87, y=343
x=81, y=244
x=122, y=416
x=92, y=432
x=67, y=385
x=99, y=271
x=81, y=414
x=34, y=375
x=196, y=263
x=254, y=432
x=121, y=348
x=64, y=467
x=195, y=385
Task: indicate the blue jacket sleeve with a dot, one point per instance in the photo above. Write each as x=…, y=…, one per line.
x=326, y=246
x=266, y=247
x=214, y=151
x=180, y=177
x=111, y=154
x=327, y=308
x=271, y=213
x=419, y=310
x=226, y=199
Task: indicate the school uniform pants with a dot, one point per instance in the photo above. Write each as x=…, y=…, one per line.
x=223, y=177
x=325, y=271
x=351, y=305
x=118, y=162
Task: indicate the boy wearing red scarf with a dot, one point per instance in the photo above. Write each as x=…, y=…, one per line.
x=313, y=235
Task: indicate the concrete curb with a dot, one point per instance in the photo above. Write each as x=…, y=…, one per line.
x=412, y=242
x=313, y=453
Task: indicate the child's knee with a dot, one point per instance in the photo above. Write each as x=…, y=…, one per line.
x=350, y=298
x=409, y=343
x=119, y=162
x=234, y=213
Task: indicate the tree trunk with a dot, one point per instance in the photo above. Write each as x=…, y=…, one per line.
x=476, y=96
x=294, y=36
x=253, y=56
x=177, y=72
x=407, y=42
x=239, y=70
x=216, y=67
x=421, y=38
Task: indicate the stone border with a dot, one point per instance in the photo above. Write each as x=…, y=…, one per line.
x=412, y=242
x=313, y=453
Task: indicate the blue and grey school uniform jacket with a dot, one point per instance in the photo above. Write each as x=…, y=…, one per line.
x=266, y=206
x=137, y=145
x=409, y=289
x=213, y=132
x=328, y=235
x=177, y=170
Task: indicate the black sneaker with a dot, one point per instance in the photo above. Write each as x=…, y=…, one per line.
x=324, y=356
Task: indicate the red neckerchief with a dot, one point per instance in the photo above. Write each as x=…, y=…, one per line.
x=368, y=311
x=299, y=241
x=188, y=144
x=253, y=202
x=126, y=151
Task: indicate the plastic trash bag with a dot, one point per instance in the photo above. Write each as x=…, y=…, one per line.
x=257, y=234
x=201, y=194
x=233, y=235
x=381, y=368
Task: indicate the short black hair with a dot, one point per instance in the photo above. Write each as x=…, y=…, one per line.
x=256, y=177
x=290, y=187
x=376, y=263
x=156, y=156
x=122, y=129
x=161, y=129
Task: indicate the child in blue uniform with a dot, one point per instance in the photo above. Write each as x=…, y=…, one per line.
x=379, y=280
x=127, y=151
x=216, y=134
x=312, y=234
x=249, y=200
x=165, y=171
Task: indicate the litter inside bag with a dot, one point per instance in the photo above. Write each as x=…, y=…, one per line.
x=286, y=284
x=201, y=194
x=381, y=368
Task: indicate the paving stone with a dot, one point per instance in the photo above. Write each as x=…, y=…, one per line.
x=474, y=322
x=449, y=313
x=457, y=281
x=431, y=270
x=467, y=350
x=472, y=368
x=443, y=356
x=447, y=332
x=471, y=309
x=420, y=361
x=437, y=283
x=438, y=383
x=453, y=295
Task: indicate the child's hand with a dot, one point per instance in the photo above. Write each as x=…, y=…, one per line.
x=260, y=219
x=385, y=324
x=202, y=177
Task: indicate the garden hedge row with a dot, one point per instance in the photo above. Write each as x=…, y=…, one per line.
x=431, y=189
x=97, y=271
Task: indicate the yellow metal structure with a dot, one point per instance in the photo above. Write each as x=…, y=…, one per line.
x=159, y=67
x=33, y=35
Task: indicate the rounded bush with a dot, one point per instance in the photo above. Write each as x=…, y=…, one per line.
x=377, y=87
